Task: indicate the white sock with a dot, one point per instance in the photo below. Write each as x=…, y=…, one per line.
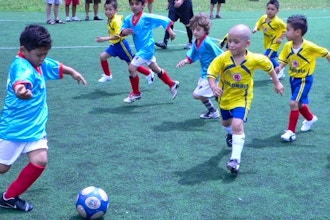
x=237, y=148
x=228, y=129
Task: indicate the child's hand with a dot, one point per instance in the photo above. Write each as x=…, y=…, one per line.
x=172, y=35
x=100, y=39
x=278, y=87
x=217, y=91
x=78, y=77
x=22, y=92
x=178, y=3
x=182, y=63
x=127, y=31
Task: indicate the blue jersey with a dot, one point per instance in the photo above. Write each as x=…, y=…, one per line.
x=143, y=36
x=205, y=51
x=25, y=120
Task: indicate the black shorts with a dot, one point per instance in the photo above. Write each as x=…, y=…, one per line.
x=184, y=13
x=213, y=2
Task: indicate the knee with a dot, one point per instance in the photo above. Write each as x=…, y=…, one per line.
x=4, y=168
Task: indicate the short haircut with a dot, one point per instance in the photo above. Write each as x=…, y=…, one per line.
x=201, y=20
x=274, y=2
x=298, y=22
x=35, y=36
x=142, y=1
x=113, y=3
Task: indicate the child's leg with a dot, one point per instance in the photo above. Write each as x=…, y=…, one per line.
x=162, y=74
x=145, y=71
x=305, y=111
x=134, y=79
x=48, y=11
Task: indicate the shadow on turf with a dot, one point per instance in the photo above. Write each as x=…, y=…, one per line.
x=187, y=125
x=207, y=171
x=98, y=94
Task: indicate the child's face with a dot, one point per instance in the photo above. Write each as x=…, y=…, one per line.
x=198, y=32
x=271, y=10
x=36, y=57
x=292, y=34
x=136, y=6
x=109, y=10
x=237, y=44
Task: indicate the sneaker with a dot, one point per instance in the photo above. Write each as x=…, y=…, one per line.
x=96, y=18
x=218, y=17
x=87, y=18
x=280, y=75
x=229, y=140
x=132, y=98
x=307, y=125
x=174, y=89
x=51, y=22
x=67, y=19
x=150, y=78
x=105, y=78
x=288, y=136
x=210, y=115
x=211, y=16
x=233, y=166
x=75, y=18
x=188, y=46
x=59, y=22
x=161, y=45
x=15, y=203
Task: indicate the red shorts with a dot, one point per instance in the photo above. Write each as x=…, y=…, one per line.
x=74, y=2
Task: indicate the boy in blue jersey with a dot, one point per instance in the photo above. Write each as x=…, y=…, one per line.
x=204, y=50
x=235, y=69
x=119, y=45
x=25, y=113
x=140, y=25
x=300, y=54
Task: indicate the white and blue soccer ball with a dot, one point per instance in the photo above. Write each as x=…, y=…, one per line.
x=92, y=202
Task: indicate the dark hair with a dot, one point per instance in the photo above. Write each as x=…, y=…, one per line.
x=35, y=36
x=142, y=1
x=274, y=2
x=201, y=20
x=113, y=3
x=298, y=22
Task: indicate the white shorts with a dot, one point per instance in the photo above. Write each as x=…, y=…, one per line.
x=58, y=2
x=10, y=151
x=203, y=88
x=138, y=61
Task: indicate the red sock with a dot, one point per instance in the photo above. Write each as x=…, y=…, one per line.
x=293, y=120
x=166, y=78
x=135, y=84
x=143, y=70
x=105, y=67
x=305, y=111
x=25, y=179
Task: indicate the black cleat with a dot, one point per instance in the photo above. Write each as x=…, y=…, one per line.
x=161, y=45
x=15, y=203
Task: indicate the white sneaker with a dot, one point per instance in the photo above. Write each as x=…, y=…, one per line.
x=307, y=125
x=105, y=78
x=174, y=89
x=132, y=98
x=75, y=18
x=210, y=115
x=288, y=136
x=188, y=46
x=150, y=78
x=68, y=19
x=280, y=75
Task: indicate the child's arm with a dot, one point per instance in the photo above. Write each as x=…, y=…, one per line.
x=183, y=62
x=217, y=91
x=126, y=31
x=171, y=33
x=280, y=67
x=22, y=92
x=278, y=87
x=103, y=39
x=74, y=74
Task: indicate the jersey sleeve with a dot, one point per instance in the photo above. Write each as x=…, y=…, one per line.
x=52, y=69
x=214, y=69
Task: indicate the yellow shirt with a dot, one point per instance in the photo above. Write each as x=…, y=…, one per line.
x=272, y=30
x=114, y=26
x=302, y=62
x=236, y=80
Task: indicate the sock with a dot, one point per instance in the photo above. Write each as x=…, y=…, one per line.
x=135, y=84
x=228, y=129
x=105, y=67
x=167, y=36
x=305, y=111
x=166, y=78
x=237, y=148
x=144, y=70
x=25, y=179
x=209, y=105
x=293, y=120
x=189, y=34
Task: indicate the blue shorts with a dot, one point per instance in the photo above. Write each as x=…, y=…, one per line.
x=300, y=88
x=121, y=50
x=272, y=55
x=238, y=112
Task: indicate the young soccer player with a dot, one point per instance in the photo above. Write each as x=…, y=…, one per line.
x=300, y=54
x=119, y=45
x=274, y=30
x=25, y=112
x=141, y=26
x=204, y=50
x=235, y=68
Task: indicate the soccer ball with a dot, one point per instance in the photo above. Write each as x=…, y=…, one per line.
x=92, y=202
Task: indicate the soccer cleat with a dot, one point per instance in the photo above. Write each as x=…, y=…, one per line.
x=161, y=45
x=15, y=203
x=105, y=78
x=174, y=89
x=132, y=98
x=96, y=18
x=288, y=136
x=210, y=115
x=75, y=18
x=229, y=140
x=307, y=125
x=188, y=46
x=150, y=78
x=233, y=166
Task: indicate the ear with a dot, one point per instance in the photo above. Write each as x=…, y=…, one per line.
x=248, y=43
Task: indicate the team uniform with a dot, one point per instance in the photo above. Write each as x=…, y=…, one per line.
x=236, y=81
x=273, y=30
x=23, y=122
